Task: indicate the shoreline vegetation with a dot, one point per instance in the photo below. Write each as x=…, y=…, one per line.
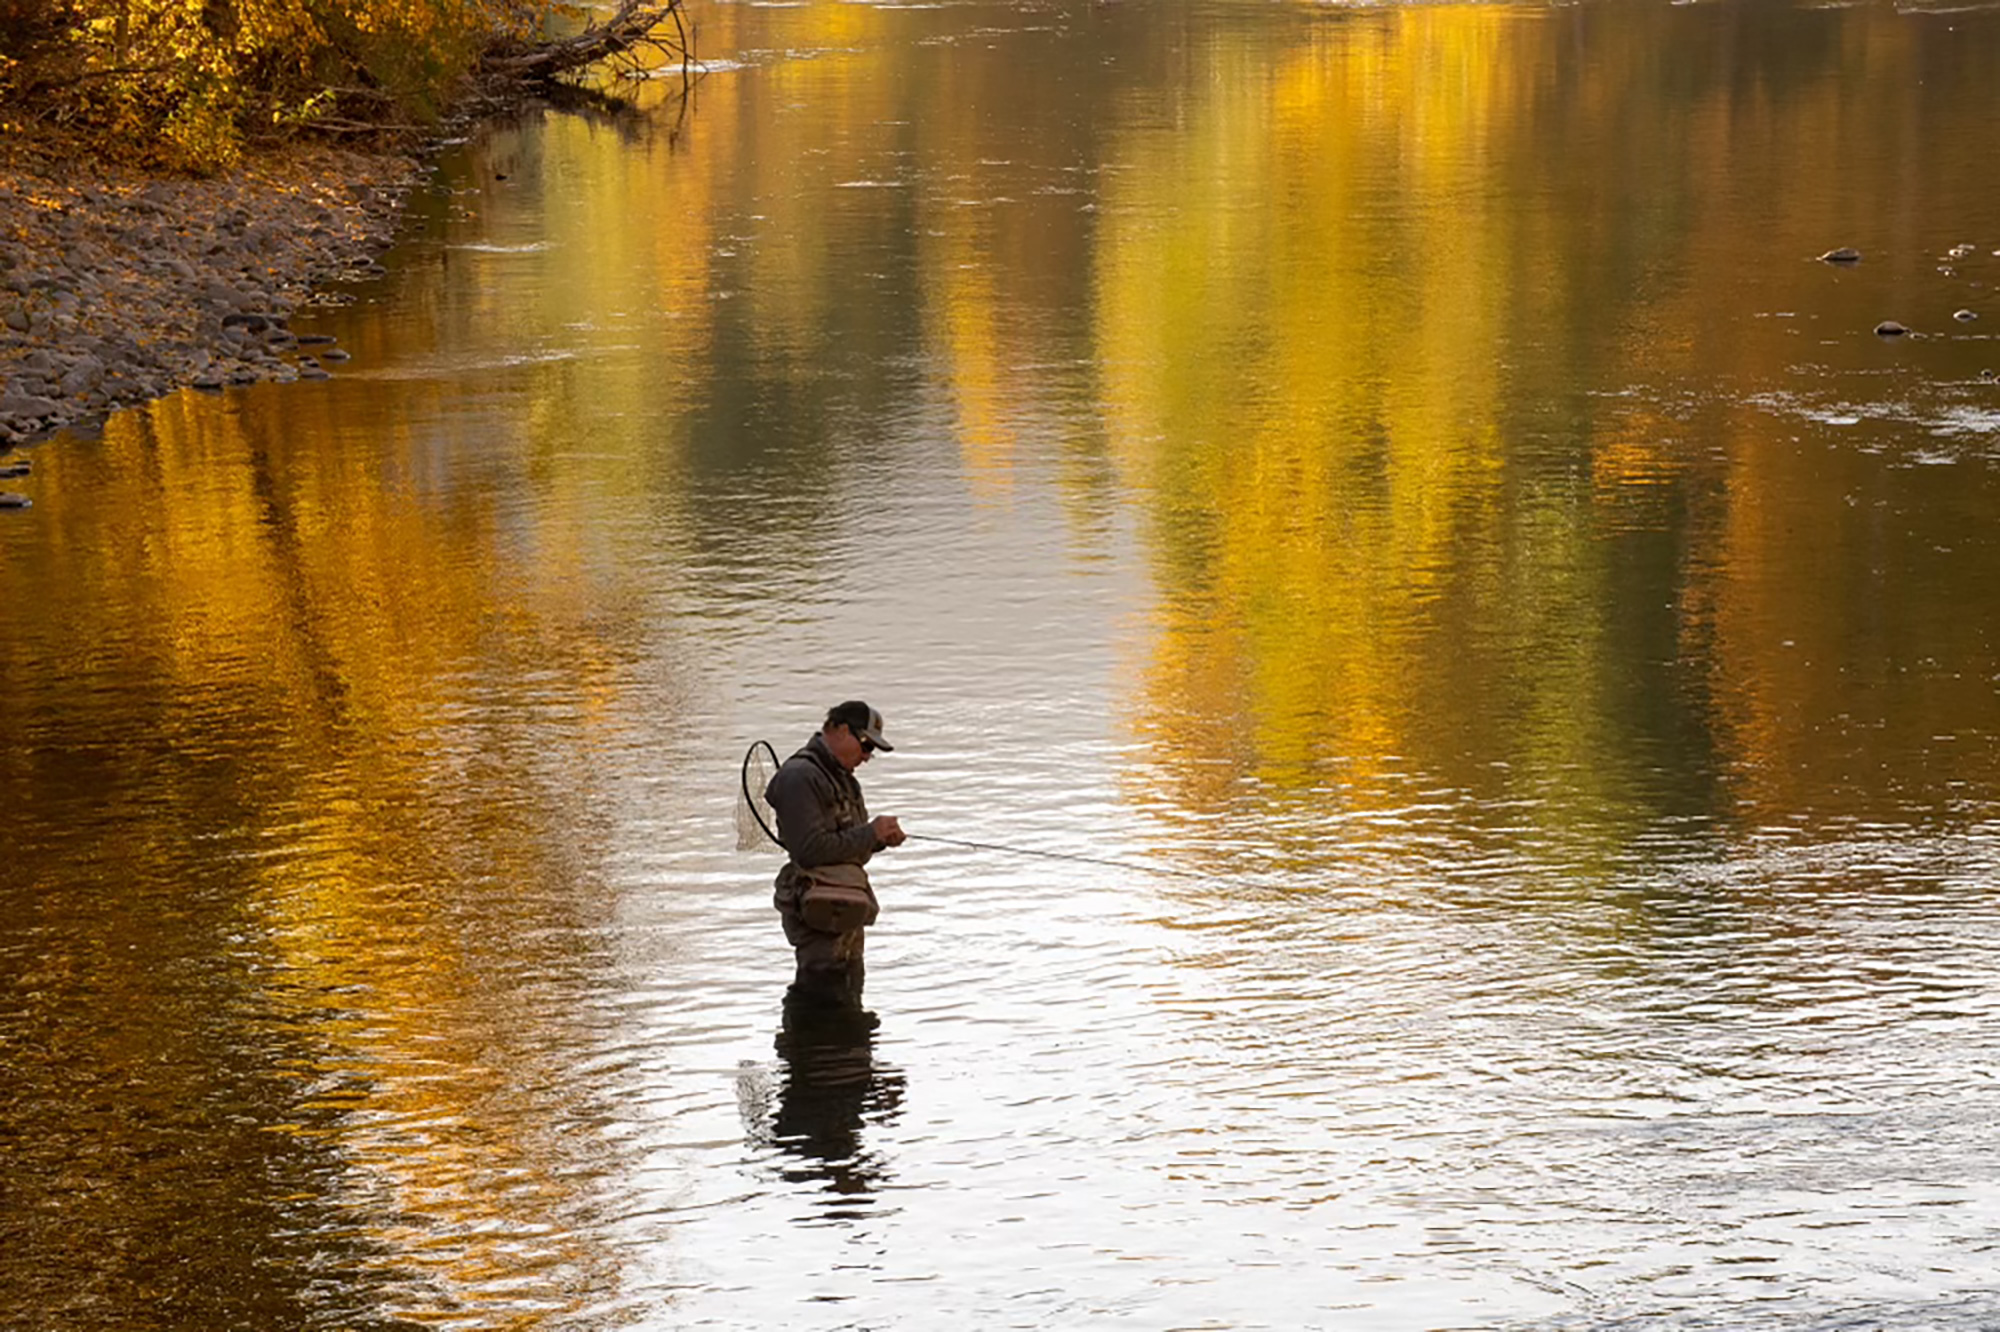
x=172, y=190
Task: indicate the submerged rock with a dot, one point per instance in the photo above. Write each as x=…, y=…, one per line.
x=1846, y=254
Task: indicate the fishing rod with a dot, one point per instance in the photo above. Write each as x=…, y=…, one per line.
x=761, y=761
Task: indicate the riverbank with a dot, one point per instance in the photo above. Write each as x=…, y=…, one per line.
x=118, y=285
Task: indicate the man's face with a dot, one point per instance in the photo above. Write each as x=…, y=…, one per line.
x=848, y=749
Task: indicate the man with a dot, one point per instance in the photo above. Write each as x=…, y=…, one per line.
x=823, y=821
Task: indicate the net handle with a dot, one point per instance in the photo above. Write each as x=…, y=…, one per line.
x=754, y=800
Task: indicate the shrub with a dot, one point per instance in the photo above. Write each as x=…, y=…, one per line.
x=187, y=83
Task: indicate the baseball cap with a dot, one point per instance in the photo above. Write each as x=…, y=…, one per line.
x=863, y=720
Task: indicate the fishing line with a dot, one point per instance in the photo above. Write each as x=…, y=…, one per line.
x=1133, y=865
x=760, y=764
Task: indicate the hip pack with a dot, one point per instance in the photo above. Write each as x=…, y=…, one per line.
x=836, y=898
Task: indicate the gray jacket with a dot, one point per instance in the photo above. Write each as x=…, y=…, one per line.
x=822, y=819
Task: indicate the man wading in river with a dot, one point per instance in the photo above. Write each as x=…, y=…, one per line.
x=822, y=893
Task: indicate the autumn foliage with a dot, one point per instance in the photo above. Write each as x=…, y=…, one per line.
x=189, y=83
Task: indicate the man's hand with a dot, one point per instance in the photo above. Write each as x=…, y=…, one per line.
x=887, y=831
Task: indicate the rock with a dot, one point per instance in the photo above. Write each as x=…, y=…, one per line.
x=9, y=500
x=13, y=471
x=1889, y=328
x=248, y=323
x=1844, y=255
x=1964, y=316
x=84, y=374
x=21, y=407
x=333, y=354
x=316, y=339
x=224, y=296
x=17, y=317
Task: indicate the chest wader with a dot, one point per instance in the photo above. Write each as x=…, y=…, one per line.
x=830, y=969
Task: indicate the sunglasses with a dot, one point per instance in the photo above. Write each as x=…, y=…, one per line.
x=867, y=745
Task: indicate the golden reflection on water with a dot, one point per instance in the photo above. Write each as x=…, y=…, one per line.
x=1365, y=307
x=280, y=666
x=1465, y=372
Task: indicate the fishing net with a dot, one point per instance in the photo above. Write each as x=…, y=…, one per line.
x=756, y=821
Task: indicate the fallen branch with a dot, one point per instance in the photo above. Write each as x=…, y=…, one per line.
x=631, y=27
x=333, y=125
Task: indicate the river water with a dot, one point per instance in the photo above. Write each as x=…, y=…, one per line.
x=1397, y=479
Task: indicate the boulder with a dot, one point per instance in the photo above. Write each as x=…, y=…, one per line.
x=21, y=407
x=84, y=374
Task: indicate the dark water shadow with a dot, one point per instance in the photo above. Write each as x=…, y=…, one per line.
x=831, y=1089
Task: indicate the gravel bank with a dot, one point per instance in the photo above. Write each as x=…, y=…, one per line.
x=117, y=286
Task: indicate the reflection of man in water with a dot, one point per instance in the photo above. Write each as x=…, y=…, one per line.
x=832, y=1087
x=822, y=820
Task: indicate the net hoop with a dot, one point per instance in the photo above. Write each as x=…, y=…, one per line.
x=760, y=763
